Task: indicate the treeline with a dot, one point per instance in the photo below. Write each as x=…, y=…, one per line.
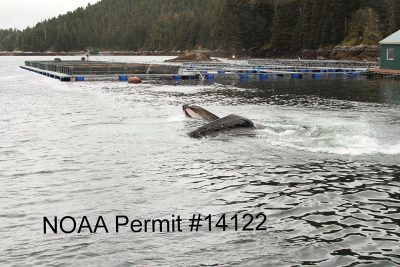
x=8, y=39
x=253, y=25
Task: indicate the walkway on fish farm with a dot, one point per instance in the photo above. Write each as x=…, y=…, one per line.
x=265, y=68
x=280, y=66
x=100, y=70
x=378, y=72
x=305, y=63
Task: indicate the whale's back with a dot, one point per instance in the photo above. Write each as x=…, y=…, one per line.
x=224, y=124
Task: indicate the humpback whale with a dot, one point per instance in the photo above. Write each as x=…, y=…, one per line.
x=216, y=125
x=196, y=112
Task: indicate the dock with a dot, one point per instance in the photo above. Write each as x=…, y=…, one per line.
x=310, y=63
x=378, y=72
x=100, y=70
x=284, y=65
x=260, y=69
x=263, y=69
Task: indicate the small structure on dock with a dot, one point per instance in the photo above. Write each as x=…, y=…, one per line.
x=390, y=52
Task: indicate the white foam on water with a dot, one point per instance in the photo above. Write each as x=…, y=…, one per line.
x=355, y=145
x=176, y=118
x=333, y=134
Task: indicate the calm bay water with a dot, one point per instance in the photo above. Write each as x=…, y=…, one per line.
x=325, y=171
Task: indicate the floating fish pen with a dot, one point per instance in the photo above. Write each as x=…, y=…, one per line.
x=244, y=69
x=99, y=70
x=305, y=63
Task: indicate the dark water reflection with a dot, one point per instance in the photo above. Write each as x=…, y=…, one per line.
x=325, y=171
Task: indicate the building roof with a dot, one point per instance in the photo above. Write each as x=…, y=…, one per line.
x=392, y=39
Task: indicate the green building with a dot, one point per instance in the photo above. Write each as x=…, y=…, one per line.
x=390, y=52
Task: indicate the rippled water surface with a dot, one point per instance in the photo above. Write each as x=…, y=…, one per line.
x=325, y=170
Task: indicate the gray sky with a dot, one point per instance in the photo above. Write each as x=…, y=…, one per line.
x=23, y=13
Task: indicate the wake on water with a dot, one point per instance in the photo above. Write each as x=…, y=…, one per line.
x=334, y=136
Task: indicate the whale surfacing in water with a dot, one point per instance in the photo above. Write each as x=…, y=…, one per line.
x=196, y=112
x=217, y=125
x=225, y=124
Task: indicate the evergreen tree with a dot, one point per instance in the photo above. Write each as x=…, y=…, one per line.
x=364, y=28
x=283, y=25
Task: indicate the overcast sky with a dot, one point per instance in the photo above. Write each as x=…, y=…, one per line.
x=23, y=13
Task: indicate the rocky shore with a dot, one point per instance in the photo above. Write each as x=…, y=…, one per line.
x=339, y=52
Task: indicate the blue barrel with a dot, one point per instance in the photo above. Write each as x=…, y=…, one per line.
x=79, y=78
x=263, y=76
x=243, y=76
x=210, y=76
x=123, y=78
x=317, y=75
x=297, y=76
x=222, y=72
x=177, y=77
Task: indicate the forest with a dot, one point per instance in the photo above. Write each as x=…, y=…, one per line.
x=172, y=25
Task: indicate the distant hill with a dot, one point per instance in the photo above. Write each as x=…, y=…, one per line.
x=127, y=25
x=252, y=25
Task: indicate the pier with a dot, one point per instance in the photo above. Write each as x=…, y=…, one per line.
x=383, y=73
x=282, y=66
x=244, y=69
x=101, y=70
x=264, y=68
x=308, y=63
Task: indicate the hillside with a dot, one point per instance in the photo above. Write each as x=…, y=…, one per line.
x=280, y=26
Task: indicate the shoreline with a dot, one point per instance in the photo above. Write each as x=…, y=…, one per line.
x=356, y=53
x=82, y=53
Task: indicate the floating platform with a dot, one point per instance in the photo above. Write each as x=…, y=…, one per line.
x=99, y=70
x=378, y=72
x=273, y=67
x=308, y=63
x=242, y=70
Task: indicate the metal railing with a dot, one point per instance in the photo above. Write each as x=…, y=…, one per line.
x=102, y=68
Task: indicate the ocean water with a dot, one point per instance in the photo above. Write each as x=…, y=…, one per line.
x=325, y=171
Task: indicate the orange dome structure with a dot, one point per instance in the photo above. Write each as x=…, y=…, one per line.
x=134, y=80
